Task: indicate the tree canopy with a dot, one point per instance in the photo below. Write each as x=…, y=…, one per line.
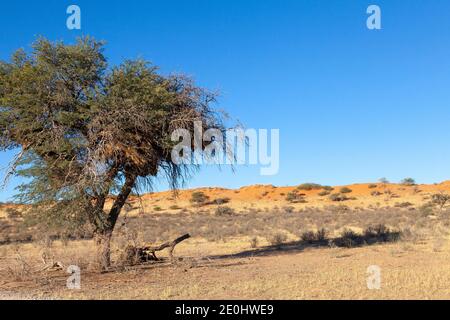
x=87, y=131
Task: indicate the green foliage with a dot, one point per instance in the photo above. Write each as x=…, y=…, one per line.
x=309, y=186
x=86, y=131
x=408, y=182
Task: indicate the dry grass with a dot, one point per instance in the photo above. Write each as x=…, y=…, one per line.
x=283, y=253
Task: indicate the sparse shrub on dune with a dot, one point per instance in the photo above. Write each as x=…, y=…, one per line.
x=372, y=186
x=265, y=193
x=383, y=181
x=224, y=211
x=324, y=193
x=309, y=186
x=345, y=190
x=408, y=182
x=220, y=201
x=338, y=197
x=199, y=198
x=295, y=197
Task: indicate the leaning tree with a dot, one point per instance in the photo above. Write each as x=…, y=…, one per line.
x=87, y=135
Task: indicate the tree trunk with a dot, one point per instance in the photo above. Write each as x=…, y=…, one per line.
x=105, y=229
x=103, y=241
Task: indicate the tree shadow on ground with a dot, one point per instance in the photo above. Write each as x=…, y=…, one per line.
x=348, y=240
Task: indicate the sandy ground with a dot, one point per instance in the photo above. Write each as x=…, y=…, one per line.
x=220, y=261
x=208, y=271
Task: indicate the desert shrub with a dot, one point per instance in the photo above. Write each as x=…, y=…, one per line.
x=338, y=197
x=288, y=209
x=349, y=239
x=327, y=188
x=372, y=186
x=254, y=242
x=174, y=207
x=345, y=190
x=157, y=208
x=220, y=201
x=375, y=193
x=309, y=186
x=13, y=213
x=295, y=197
x=380, y=233
x=440, y=200
x=403, y=205
x=224, y=211
x=371, y=235
x=199, y=198
x=311, y=237
x=278, y=239
x=426, y=210
x=408, y=182
x=324, y=193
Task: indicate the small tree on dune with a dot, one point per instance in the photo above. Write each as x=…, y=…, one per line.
x=88, y=133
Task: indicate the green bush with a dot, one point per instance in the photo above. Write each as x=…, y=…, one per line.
x=309, y=186
x=408, y=182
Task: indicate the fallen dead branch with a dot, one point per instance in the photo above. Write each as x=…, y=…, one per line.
x=133, y=255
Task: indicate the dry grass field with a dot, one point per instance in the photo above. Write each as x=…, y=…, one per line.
x=257, y=242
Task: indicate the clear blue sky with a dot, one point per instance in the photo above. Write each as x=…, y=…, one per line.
x=352, y=105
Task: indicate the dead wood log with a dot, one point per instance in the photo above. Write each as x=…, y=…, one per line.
x=133, y=255
x=171, y=245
